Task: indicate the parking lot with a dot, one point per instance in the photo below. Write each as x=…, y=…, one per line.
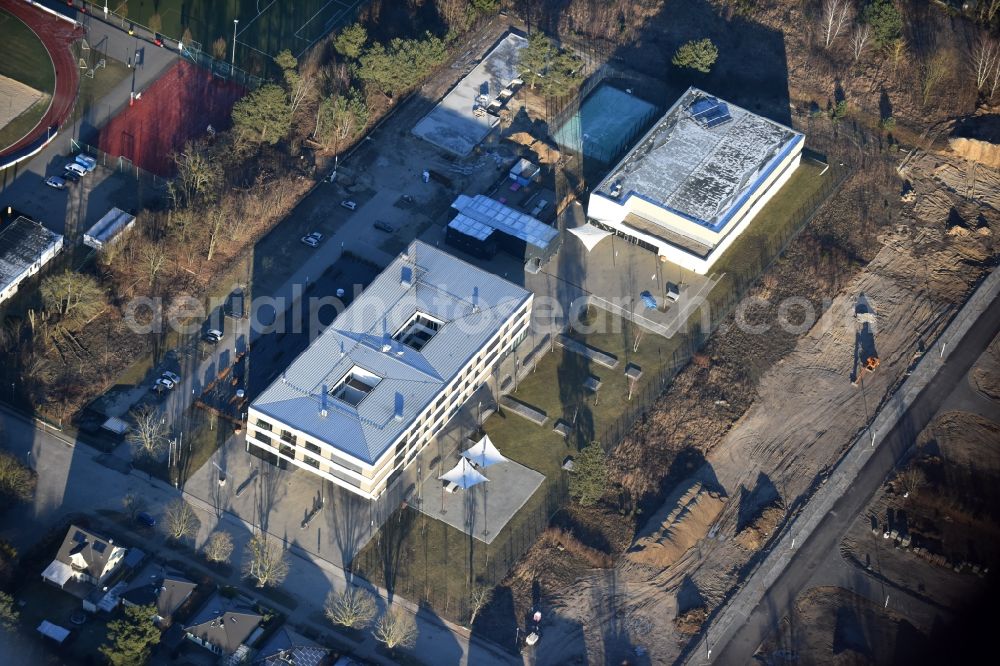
x=74, y=209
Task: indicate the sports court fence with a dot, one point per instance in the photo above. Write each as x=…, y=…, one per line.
x=191, y=50
x=118, y=164
x=489, y=564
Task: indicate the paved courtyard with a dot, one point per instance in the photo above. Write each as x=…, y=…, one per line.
x=483, y=510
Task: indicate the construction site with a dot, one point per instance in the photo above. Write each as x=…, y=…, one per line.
x=730, y=455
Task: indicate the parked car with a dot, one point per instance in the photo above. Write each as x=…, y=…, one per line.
x=86, y=161
x=78, y=169
x=213, y=335
x=158, y=39
x=145, y=519
x=348, y=204
x=165, y=383
x=312, y=239
x=56, y=182
x=234, y=305
x=172, y=376
x=384, y=226
x=70, y=176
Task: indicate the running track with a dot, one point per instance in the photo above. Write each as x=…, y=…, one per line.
x=57, y=36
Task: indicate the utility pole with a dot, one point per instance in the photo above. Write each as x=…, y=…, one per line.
x=232, y=66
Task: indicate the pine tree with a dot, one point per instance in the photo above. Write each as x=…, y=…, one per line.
x=131, y=639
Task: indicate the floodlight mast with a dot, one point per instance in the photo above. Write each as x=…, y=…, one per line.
x=232, y=65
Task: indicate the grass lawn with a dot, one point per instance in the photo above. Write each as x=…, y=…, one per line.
x=93, y=89
x=438, y=557
x=425, y=559
x=758, y=245
x=25, y=60
x=281, y=25
x=24, y=56
x=25, y=122
x=45, y=602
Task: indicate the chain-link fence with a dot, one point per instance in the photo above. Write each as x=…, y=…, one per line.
x=119, y=164
x=192, y=50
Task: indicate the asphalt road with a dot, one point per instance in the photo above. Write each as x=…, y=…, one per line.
x=813, y=552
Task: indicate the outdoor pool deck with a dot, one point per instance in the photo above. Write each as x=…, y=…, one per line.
x=485, y=509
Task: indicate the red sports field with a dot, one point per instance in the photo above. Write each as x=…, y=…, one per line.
x=178, y=107
x=56, y=35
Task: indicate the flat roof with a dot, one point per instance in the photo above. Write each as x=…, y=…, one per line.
x=22, y=243
x=480, y=216
x=451, y=124
x=106, y=228
x=701, y=160
x=472, y=305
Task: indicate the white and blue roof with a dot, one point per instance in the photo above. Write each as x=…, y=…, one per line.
x=702, y=160
x=471, y=304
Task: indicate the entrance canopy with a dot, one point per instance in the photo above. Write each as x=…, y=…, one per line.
x=463, y=475
x=483, y=453
x=590, y=235
x=58, y=573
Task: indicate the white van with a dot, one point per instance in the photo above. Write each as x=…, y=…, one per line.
x=76, y=168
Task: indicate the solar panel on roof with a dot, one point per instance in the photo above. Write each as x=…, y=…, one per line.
x=99, y=546
x=79, y=537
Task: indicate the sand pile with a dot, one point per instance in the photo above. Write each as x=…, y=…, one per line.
x=685, y=524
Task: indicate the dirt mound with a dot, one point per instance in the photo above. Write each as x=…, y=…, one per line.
x=686, y=523
x=544, y=153
x=756, y=534
x=976, y=150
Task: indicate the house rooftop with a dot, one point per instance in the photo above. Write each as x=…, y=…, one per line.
x=701, y=160
x=94, y=549
x=22, y=242
x=224, y=622
x=361, y=383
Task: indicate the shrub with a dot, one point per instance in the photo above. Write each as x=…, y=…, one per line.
x=699, y=55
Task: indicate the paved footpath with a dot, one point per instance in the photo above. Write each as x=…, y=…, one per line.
x=738, y=629
x=70, y=480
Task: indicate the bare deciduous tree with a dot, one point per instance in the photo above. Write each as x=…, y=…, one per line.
x=153, y=256
x=835, y=17
x=265, y=562
x=988, y=10
x=911, y=479
x=149, y=435
x=219, y=547
x=479, y=597
x=179, y=519
x=17, y=482
x=983, y=60
x=354, y=608
x=859, y=39
x=133, y=504
x=396, y=628
x=934, y=70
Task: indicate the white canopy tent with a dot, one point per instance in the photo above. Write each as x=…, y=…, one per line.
x=590, y=235
x=463, y=475
x=484, y=453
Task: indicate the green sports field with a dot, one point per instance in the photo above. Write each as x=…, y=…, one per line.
x=265, y=26
x=24, y=59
